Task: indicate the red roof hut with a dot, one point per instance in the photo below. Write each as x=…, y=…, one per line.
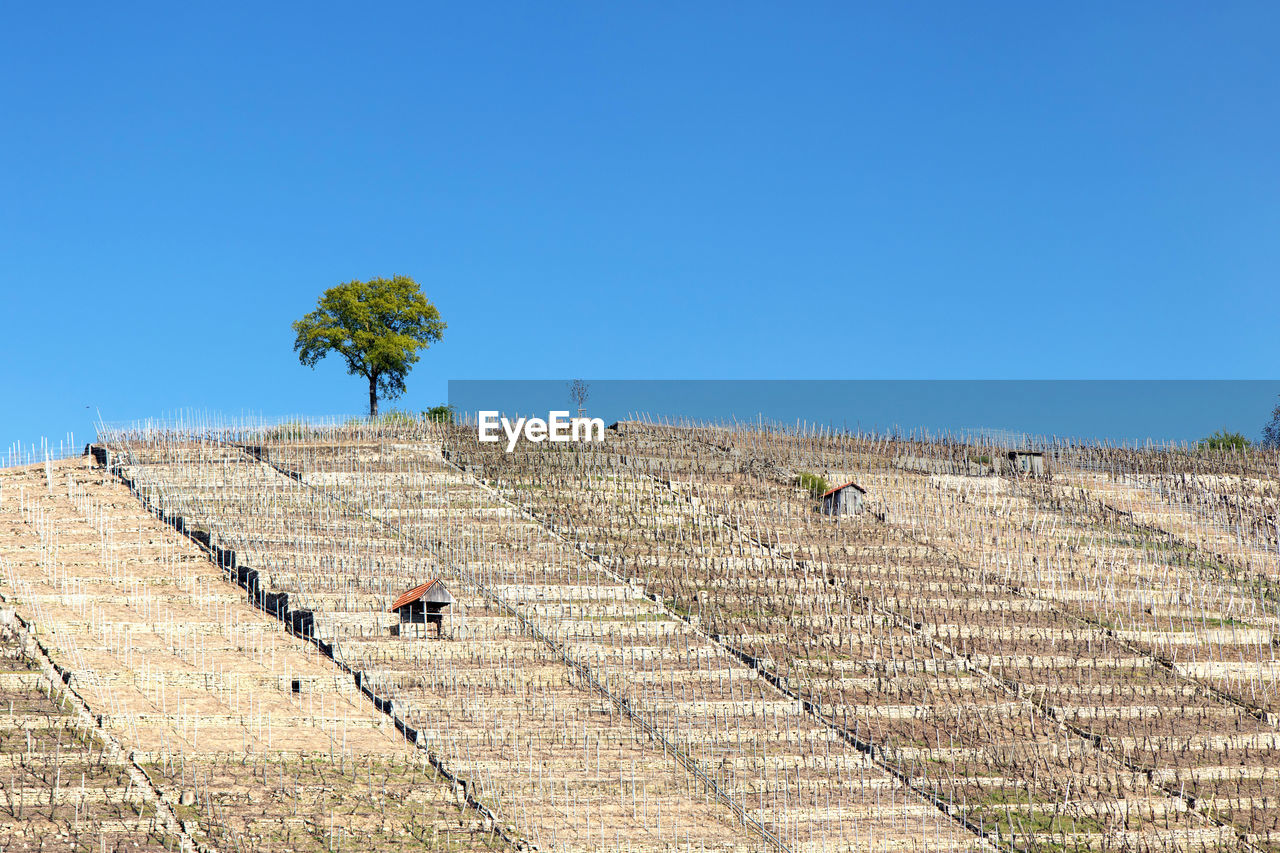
x=843, y=500
x=425, y=603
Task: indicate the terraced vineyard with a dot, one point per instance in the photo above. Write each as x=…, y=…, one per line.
x=62, y=788
x=575, y=707
x=1038, y=654
x=219, y=729
x=658, y=642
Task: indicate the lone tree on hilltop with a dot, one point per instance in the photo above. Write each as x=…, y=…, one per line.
x=1271, y=432
x=378, y=326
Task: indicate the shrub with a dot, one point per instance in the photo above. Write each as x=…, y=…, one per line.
x=814, y=483
x=439, y=414
x=1223, y=440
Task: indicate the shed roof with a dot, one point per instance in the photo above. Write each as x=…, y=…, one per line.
x=834, y=489
x=432, y=591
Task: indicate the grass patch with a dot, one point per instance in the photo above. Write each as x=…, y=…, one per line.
x=291, y=431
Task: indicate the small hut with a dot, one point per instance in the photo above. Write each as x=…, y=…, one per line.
x=424, y=605
x=1026, y=462
x=843, y=500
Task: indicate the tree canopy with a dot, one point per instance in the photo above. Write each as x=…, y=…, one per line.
x=1271, y=432
x=378, y=326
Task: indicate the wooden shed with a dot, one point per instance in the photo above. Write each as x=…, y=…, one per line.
x=843, y=500
x=424, y=604
x=1026, y=462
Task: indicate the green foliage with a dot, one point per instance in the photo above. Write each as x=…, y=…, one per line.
x=378, y=327
x=1271, y=432
x=1223, y=440
x=439, y=414
x=814, y=483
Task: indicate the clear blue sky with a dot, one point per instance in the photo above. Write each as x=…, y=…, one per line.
x=686, y=190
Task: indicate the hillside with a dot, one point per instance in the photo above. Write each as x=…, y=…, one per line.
x=659, y=642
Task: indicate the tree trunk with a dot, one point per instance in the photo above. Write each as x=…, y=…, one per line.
x=373, y=396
